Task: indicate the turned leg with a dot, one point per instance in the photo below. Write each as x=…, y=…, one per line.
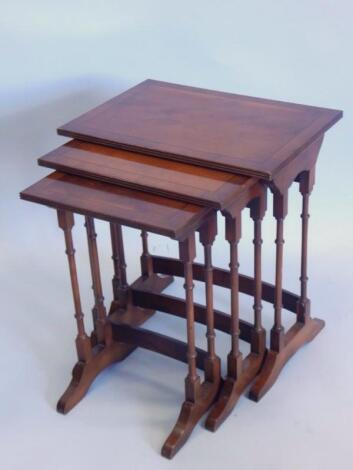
x=120, y=285
x=91, y=361
x=207, y=236
x=233, y=234
x=102, y=327
x=192, y=381
x=306, y=182
x=258, y=337
x=146, y=260
x=83, y=343
x=198, y=397
x=240, y=372
x=283, y=346
x=280, y=211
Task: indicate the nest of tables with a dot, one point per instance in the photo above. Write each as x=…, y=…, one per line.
x=165, y=158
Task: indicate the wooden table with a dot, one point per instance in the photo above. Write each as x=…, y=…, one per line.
x=275, y=141
x=209, y=151
x=116, y=335
x=211, y=188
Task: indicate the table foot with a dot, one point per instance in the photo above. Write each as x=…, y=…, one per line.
x=232, y=390
x=295, y=338
x=190, y=414
x=84, y=373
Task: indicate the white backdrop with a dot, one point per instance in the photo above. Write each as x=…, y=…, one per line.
x=59, y=59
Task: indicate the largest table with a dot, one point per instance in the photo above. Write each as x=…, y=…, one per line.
x=273, y=141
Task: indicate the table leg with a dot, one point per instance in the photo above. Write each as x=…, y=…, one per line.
x=283, y=346
x=120, y=285
x=198, y=397
x=240, y=372
x=306, y=182
x=258, y=337
x=208, y=234
x=102, y=328
x=92, y=358
x=83, y=343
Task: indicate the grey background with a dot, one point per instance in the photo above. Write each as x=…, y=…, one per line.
x=58, y=59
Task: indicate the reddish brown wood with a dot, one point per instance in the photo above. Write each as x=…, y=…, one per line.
x=294, y=339
x=233, y=234
x=155, y=342
x=257, y=212
x=120, y=285
x=84, y=373
x=283, y=346
x=146, y=260
x=102, y=328
x=174, y=306
x=198, y=397
x=109, y=202
x=187, y=253
x=278, y=142
x=221, y=277
x=306, y=182
x=280, y=211
x=83, y=343
x=190, y=183
x=221, y=130
x=241, y=373
x=208, y=234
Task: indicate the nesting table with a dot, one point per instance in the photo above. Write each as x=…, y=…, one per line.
x=165, y=158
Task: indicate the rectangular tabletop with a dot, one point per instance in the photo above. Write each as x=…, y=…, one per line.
x=164, y=216
x=240, y=134
x=137, y=171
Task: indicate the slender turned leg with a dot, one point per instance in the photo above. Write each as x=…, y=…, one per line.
x=283, y=346
x=120, y=285
x=192, y=381
x=150, y=279
x=102, y=327
x=306, y=183
x=91, y=361
x=207, y=236
x=241, y=372
x=233, y=234
x=146, y=260
x=258, y=337
x=83, y=343
x=280, y=211
x=198, y=397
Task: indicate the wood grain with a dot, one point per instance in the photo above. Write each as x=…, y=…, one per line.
x=143, y=172
x=109, y=202
x=231, y=132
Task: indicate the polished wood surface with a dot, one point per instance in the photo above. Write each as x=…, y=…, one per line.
x=143, y=172
x=115, y=204
x=102, y=329
x=198, y=396
x=237, y=133
x=119, y=281
x=163, y=158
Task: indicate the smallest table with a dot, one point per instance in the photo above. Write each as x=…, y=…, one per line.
x=116, y=335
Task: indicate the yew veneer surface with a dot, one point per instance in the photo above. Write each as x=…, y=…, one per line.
x=137, y=171
x=113, y=203
x=240, y=134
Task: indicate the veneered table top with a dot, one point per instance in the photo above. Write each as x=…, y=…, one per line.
x=137, y=209
x=235, y=133
x=178, y=180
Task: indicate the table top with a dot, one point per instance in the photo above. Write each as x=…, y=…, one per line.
x=165, y=216
x=182, y=181
x=234, y=133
